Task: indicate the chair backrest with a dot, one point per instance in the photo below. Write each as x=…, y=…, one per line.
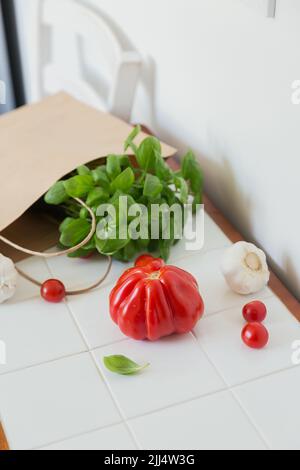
x=64, y=36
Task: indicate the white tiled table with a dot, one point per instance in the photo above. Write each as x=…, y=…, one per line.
x=204, y=390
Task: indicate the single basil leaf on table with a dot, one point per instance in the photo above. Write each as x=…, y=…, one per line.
x=153, y=187
x=97, y=196
x=147, y=151
x=124, y=181
x=79, y=186
x=113, y=166
x=75, y=232
x=123, y=365
x=57, y=194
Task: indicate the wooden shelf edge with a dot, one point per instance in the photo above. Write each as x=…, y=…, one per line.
x=275, y=283
x=3, y=441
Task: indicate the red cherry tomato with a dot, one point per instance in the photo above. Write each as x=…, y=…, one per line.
x=255, y=312
x=155, y=264
x=53, y=291
x=255, y=335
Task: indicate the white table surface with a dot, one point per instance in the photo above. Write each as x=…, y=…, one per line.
x=204, y=390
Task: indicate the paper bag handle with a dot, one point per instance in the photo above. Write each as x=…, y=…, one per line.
x=62, y=252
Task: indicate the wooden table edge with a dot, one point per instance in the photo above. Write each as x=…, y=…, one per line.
x=275, y=284
x=3, y=441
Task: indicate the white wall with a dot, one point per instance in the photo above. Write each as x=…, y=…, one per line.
x=7, y=99
x=219, y=80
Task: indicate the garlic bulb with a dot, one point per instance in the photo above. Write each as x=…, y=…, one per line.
x=8, y=278
x=245, y=268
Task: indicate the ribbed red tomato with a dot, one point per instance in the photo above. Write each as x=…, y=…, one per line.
x=145, y=260
x=152, y=303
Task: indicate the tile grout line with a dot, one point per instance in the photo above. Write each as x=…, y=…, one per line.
x=89, y=351
x=115, y=401
x=74, y=436
x=39, y=364
x=97, y=368
x=227, y=309
x=100, y=373
x=230, y=390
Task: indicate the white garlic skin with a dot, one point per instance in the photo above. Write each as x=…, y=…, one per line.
x=245, y=268
x=8, y=278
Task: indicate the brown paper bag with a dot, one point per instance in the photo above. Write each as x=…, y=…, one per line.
x=39, y=144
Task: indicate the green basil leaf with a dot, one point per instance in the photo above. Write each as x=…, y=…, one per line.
x=124, y=161
x=97, y=196
x=79, y=186
x=181, y=184
x=84, y=213
x=147, y=151
x=165, y=249
x=198, y=199
x=100, y=177
x=65, y=224
x=153, y=187
x=110, y=246
x=75, y=232
x=130, y=251
x=162, y=170
x=191, y=170
x=129, y=141
x=122, y=365
x=113, y=166
x=83, y=170
x=124, y=181
x=169, y=195
x=57, y=194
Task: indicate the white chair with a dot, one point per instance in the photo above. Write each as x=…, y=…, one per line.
x=60, y=32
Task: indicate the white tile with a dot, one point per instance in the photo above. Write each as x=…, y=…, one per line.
x=54, y=401
x=80, y=273
x=214, y=238
x=91, y=312
x=215, y=422
x=220, y=336
x=273, y=403
x=36, y=268
x=36, y=331
x=213, y=287
x=178, y=371
x=112, y=438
